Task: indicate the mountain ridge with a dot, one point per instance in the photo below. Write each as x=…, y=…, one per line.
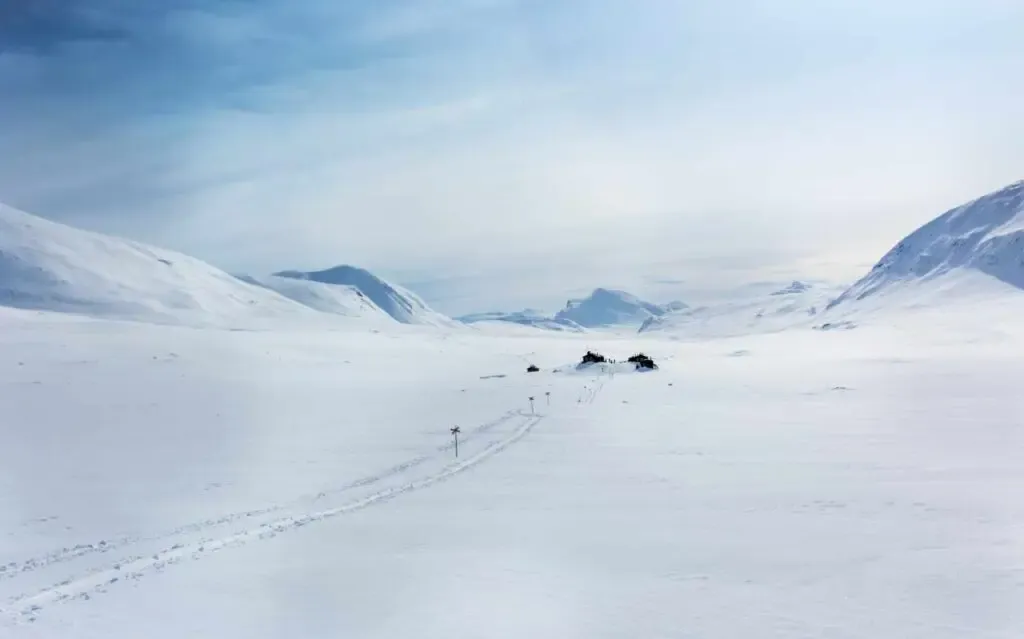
x=985, y=234
x=399, y=303
x=50, y=266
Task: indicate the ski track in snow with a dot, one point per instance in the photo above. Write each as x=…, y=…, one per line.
x=14, y=569
x=26, y=606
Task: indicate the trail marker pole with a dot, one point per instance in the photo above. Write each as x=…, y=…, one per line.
x=531, y=406
x=455, y=434
x=547, y=394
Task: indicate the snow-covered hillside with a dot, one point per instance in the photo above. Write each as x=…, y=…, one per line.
x=985, y=235
x=528, y=317
x=795, y=305
x=606, y=307
x=53, y=267
x=335, y=299
x=401, y=304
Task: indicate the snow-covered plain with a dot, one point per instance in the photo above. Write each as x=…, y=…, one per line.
x=163, y=481
x=216, y=457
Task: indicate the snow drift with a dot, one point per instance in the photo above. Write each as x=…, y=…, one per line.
x=985, y=235
x=401, y=304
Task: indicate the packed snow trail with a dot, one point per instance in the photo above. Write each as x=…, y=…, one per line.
x=134, y=567
x=13, y=569
x=146, y=555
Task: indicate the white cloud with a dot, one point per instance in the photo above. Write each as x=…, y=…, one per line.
x=490, y=136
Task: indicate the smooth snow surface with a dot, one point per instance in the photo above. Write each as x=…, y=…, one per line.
x=401, y=304
x=169, y=482
x=986, y=235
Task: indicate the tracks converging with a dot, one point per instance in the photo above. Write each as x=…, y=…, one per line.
x=84, y=571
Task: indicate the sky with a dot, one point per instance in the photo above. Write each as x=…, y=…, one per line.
x=496, y=154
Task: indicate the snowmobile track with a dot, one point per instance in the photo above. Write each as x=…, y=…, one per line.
x=14, y=569
x=25, y=607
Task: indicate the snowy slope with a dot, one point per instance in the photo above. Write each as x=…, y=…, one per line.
x=165, y=482
x=796, y=305
x=607, y=307
x=985, y=235
x=401, y=304
x=49, y=266
x=346, y=301
x=527, y=317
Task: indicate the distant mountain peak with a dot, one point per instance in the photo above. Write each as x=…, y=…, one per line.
x=612, y=307
x=48, y=266
x=794, y=288
x=401, y=304
x=526, y=317
x=603, y=307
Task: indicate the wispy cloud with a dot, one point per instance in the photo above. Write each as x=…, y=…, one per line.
x=442, y=137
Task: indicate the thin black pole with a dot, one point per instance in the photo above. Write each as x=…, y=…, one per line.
x=455, y=433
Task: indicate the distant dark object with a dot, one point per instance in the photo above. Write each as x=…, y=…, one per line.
x=844, y=325
x=642, y=362
x=593, y=358
x=532, y=369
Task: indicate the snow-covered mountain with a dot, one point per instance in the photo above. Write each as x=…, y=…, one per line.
x=346, y=301
x=401, y=304
x=528, y=317
x=796, y=287
x=602, y=308
x=49, y=266
x=794, y=305
x=608, y=307
x=983, y=236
